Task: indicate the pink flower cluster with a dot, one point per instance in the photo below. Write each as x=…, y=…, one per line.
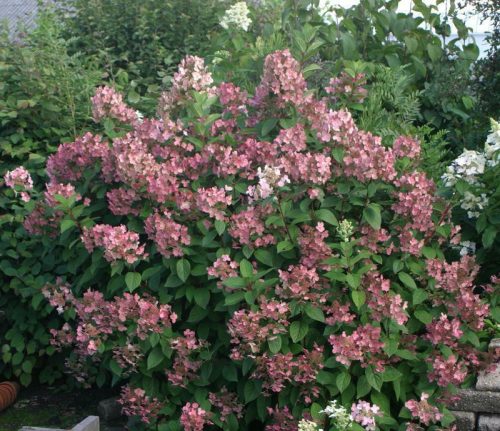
x=19, y=178
x=135, y=402
x=194, y=418
x=226, y=403
x=107, y=103
x=192, y=75
x=184, y=368
x=222, y=269
x=118, y=242
x=348, y=87
x=422, y=410
x=444, y=331
x=300, y=283
x=362, y=345
x=313, y=248
x=457, y=279
x=250, y=329
x=283, y=420
x=167, y=234
x=406, y=146
x=381, y=302
x=120, y=201
x=98, y=319
x=73, y=158
x=279, y=370
x=364, y=413
x=447, y=371
x=66, y=191
x=213, y=201
x=248, y=228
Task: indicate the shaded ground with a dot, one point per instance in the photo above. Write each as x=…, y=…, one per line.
x=54, y=408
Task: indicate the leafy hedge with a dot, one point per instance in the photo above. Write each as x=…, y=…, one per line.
x=244, y=259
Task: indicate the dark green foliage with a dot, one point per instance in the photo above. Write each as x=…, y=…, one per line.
x=44, y=93
x=146, y=38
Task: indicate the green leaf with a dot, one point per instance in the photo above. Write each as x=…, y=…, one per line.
x=220, y=226
x=372, y=215
x=358, y=297
x=327, y=216
x=362, y=387
x=434, y=52
x=251, y=390
x=374, y=379
x=315, y=313
x=183, y=269
x=407, y=280
x=382, y=401
x=284, y=246
x=202, y=297
x=246, y=268
x=268, y=125
x=489, y=236
x=274, y=344
x=230, y=373
x=419, y=296
x=343, y=380
x=234, y=282
x=66, y=224
x=298, y=330
x=132, y=280
x=155, y=357
x=423, y=316
x=234, y=298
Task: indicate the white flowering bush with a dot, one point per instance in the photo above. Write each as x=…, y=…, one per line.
x=237, y=17
x=473, y=180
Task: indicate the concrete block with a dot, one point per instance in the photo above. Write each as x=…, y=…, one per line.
x=488, y=423
x=40, y=429
x=489, y=381
x=477, y=401
x=109, y=409
x=465, y=421
x=494, y=344
x=91, y=423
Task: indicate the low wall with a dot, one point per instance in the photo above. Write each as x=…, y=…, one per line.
x=479, y=409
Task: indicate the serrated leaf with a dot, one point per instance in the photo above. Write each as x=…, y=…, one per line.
x=155, y=357
x=342, y=381
x=246, y=268
x=315, y=313
x=407, y=280
x=327, y=216
x=183, y=269
x=298, y=330
x=132, y=280
x=274, y=344
x=372, y=215
x=358, y=297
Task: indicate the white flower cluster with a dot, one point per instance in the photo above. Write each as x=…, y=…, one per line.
x=326, y=9
x=269, y=178
x=466, y=248
x=345, y=230
x=339, y=415
x=466, y=167
x=237, y=16
x=473, y=203
x=305, y=425
x=492, y=146
x=469, y=167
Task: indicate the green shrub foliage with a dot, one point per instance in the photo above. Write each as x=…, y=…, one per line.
x=244, y=258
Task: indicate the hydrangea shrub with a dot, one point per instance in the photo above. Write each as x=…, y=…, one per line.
x=250, y=261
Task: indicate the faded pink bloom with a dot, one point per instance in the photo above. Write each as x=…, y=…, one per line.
x=168, y=235
x=107, y=103
x=135, y=402
x=365, y=413
x=19, y=178
x=423, y=411
x=226, y=403
x=406, y=146
x=118, y=242
x=194, y=418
